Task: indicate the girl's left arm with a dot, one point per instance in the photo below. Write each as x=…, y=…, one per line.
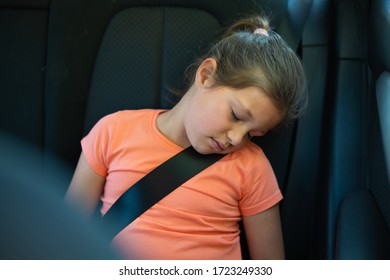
x=264, y=234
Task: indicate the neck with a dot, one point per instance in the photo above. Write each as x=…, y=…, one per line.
x=171, y=123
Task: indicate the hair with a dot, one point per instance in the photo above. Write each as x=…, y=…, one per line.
x=246, y=59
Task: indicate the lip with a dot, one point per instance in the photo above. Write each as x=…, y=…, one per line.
x=218, y=146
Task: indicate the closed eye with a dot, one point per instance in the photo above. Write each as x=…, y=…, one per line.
x=234, y=117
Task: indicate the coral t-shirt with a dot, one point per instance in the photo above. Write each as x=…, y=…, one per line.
x=198, y=220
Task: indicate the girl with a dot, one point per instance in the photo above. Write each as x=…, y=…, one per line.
x=249, y=83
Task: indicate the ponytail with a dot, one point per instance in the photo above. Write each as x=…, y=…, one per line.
x=249, y=25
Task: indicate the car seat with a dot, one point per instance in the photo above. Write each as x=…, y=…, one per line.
x=363, y=218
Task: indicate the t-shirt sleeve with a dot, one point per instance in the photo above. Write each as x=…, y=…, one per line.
x=96, y=144
x=262, y=190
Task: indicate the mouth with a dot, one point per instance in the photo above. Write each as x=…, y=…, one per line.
x=218, y=146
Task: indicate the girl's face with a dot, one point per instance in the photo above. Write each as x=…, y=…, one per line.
x=222, y=119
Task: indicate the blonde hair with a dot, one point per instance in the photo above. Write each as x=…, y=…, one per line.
x=263, y=59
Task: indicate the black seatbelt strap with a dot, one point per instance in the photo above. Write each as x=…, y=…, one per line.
x=154, y=186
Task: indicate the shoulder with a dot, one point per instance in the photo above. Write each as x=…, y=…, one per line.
x=249, y=162
x=252, y=148
x=248, y=154
x=125, y=117
x=120, y=122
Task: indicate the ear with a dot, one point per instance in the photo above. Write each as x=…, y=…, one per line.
x=205, y=72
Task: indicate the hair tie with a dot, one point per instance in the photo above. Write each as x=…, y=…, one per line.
x=261, y=31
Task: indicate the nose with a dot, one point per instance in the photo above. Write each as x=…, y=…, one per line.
x=237, y=135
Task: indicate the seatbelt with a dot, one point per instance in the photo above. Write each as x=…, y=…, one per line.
x=154, y=186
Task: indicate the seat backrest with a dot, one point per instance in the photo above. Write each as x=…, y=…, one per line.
x=153, y=46
x=301, y=185
x=345, y=116
x=363, y=228
x=379, y=137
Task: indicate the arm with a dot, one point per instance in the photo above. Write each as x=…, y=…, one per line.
x=86, y=187
x=264, y=234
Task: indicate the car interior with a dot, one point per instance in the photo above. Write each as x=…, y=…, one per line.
x=64, y=64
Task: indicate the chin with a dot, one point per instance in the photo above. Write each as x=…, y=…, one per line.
x=204, y=150
x=209, y=150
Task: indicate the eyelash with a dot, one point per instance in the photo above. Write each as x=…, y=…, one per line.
x=234, y=116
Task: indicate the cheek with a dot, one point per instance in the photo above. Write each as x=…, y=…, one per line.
x=207, y=116
x=199, y=115
x=201, y=123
